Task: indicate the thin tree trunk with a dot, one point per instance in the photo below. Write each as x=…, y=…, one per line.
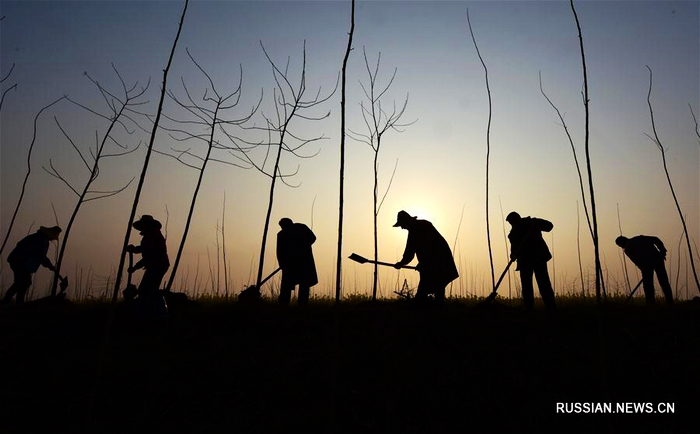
x=132, y=215
x=339, y=255
x=81, y=200
x=193, y=202
x=26, y=177
x=376, y=212
x=488, y=150
x=578, y=249
x=223, y=244
x=261, y=262
x=624, y=259
x=596, y=249
x=670, y=185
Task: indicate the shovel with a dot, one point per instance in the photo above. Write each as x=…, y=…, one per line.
x=494, y=293
x=252, y=292
x=491, y=297
x=357, y=258
x=633, y=291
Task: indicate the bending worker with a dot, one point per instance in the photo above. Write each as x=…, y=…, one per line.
x=435, y=262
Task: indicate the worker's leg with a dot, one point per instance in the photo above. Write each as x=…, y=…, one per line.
x=22, y=282
x=303, y=295
x=663, y=281
x=648, y=284
x=544, y=284
x=423, y=289
x=286, y=288
x=526, y=287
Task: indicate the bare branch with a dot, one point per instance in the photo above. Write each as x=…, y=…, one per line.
x=697, y=128
x=104, y=194
x=391, y=180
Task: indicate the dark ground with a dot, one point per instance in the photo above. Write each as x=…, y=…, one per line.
x=225, y=367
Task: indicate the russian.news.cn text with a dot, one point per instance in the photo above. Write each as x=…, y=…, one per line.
x=615, y=408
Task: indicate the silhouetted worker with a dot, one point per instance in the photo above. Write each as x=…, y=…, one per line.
x=435, y=263
x=528, y=248
x=648, y=254
x=154, y=258
x=296, y=259
x=25, y=259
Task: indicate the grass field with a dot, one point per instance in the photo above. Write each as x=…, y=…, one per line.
x=217, y=366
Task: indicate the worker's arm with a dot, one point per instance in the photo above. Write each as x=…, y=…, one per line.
x=408, y=253
x=659, y=245
x=542, y=224
x=46, y=262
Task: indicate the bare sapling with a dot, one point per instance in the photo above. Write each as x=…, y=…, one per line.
x=341, y=195
x=147, y=159
x=119, y=108
x=378, y=120
x=586, y=101
x=655, y=138
x=578, y=167
x=622, y=255
x=290, y=105
x=208, y=122
x=26, y=176
x=488, y=148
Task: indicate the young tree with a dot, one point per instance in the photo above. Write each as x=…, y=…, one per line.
x=26, y=176
x=657, y=141
x=209, y=115
x=598, y=269
x=377, y=122
x=119, y=108
x=339, y=255
x=142, y=178
x=290, y=104
x=488, y=149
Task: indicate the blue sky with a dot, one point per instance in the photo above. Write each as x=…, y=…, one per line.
x=441, y=158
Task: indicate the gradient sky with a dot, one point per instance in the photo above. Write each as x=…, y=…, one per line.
x=441, y=158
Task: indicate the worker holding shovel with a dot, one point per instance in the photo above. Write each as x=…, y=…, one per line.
x=530, y=251
x=648, y=254
x=25, y=259
x=154, y=258
x=296, y=259
x=435, y=262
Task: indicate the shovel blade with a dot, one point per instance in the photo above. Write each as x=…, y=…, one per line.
x=357, y=258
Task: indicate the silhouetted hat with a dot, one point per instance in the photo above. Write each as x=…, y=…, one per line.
x=51, y=233
x=513, y=216
x=285, y=222
x=403, y=217
x=621, y=241
x=147, y=222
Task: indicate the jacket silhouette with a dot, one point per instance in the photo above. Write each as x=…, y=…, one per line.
x=435, y=262
x=648, y=254
x=296, y=259
x=529, y=249
x=26, y=258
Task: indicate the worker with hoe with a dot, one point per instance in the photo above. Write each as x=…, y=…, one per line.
x=296, y=259
x=25, y=259
x=648, y=254
x=435, y=262
x=529, y=249
x=154, y=258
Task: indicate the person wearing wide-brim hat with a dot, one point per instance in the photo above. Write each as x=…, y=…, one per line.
x=154, y=259
x=435, y=262
x=26, y=258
